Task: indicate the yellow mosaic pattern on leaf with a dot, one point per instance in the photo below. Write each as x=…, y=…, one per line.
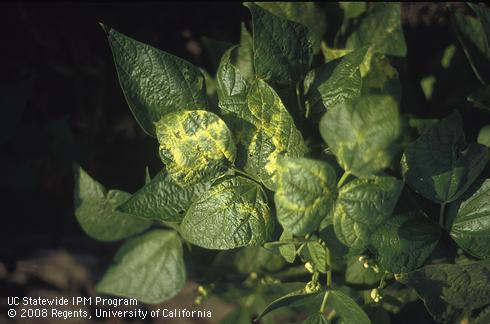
x=274, y=134
x=195, y=145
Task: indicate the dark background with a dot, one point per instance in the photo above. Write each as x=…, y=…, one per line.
x=60, y=102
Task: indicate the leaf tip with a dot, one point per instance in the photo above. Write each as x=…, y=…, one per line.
x=104, y=27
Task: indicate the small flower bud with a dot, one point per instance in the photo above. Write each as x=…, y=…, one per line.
x=376, y=295
x=309, y=267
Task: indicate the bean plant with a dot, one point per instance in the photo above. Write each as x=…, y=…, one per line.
x=293, y=184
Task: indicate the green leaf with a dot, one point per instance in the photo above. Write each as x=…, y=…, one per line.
x=440, y=165
x=404, y=241
x=318, y=256
x=446, y=289
x=305, y=13
x=356, y=274
x=257, y=259
x=306, y=190
x=483, y=14
x=149, y=268
x=155, y=82
x=481, y=98
x=471, y=226
x=361, y=133
x=338, y=250
x=288, y=251
x=352, y=9
x=232, y=88
x=484, y=136
x=293, y=299
x=378, y=315
x=273, y=134
x=95, y=210
x=316, y=319
x=362, y=206
x=381, y=78
x=335, y=82
x=282, y=49
x=330, y=54
x=346, y=308
x=381, y=29
x=195, y=146
x=163, y=199
x=245, y=54
x=233, y=213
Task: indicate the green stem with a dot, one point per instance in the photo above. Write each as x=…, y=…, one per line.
x=245, y=174
x=300, y=248
x=331, y=315
x=382, y=282
x=324, y=301
x=342, y=179
x=298, y=99
x=329, y=280
x=441, y=215
x=329, y=267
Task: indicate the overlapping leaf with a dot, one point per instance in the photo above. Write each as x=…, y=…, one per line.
x=440, y=165
x=363, y=205
x=163, y=199
x=149, y=268
x=231, y=214
x=282, y=49
x=361, y=133
x=195, y=146
x=95, y=210
x=304, y=13
x=447, y=289
x=346, y=308
x=155, y=82
x=335, y=82
x=306, y=190
x=381, y=29
x=471, y=226
x=404, y=242
x=274, y=134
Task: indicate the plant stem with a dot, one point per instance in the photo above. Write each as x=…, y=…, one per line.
x=324, y=301
x=329, y=280
x=331, y=315
x=245, y=174
x=329, y=271
x=298, y=99
x=342, y=179
x=441, y=215
x=298, y=251
x=382, y=282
